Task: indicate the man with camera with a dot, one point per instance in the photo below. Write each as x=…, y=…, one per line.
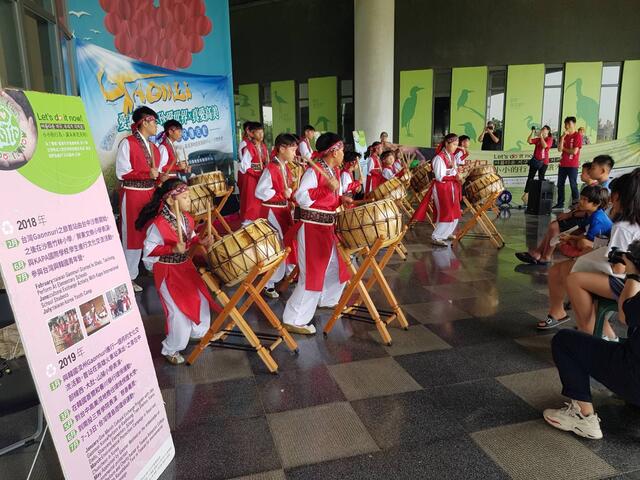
x=580, y=356
x=490, y=137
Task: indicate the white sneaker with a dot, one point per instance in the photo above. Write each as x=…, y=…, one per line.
x=175, y=359
x=451, y=237
x=438, y=243
x=570, y=419
x=309, y=329
x=270, y=293
x=136, y=288
x=608, y=339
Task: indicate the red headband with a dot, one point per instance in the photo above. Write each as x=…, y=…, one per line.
x=135, y=126
x=177, y=190
x=335, y=147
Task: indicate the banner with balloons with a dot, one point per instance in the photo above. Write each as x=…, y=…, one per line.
x=112, y=86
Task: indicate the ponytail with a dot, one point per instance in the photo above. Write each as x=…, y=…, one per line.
x=151, y=209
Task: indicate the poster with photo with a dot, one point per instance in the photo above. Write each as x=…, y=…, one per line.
x=63, y=266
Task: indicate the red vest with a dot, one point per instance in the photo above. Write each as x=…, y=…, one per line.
x=170, y=235
x=323, y=198
x=139, y=161
x=277, y=181
x=258, y=161
x=173, y=161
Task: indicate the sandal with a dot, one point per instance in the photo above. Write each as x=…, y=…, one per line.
x=551, y=322
x=526, y=257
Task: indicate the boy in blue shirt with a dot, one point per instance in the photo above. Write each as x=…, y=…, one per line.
x=594, y=199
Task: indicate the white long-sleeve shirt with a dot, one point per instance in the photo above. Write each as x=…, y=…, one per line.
x=440, y=169
x=308, y=181
x=123, y=157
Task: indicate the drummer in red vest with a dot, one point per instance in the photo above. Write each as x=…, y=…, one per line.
x=170, y=165
x=254, y=159
x=446, y=191
x=349, y=184
x=138, y=168
x=275, y=192
x=304, y=147
x=388, y=160
x=374, y=167
x=245, y=137
x=185, y=298
x=323, y=272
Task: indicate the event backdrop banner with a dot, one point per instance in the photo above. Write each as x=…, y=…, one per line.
x=70, y=292
x=582, y=83
x=112, y=86
x=323, y=103
x=468, y=102
x=416, y=107
x=523, y=105
x=283, y=103
x=629, y=113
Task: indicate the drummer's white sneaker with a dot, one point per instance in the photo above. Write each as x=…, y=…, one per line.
x=270, y=293
x=136, y=288
x=451, y=237
x=300, y=329
x=438, y=242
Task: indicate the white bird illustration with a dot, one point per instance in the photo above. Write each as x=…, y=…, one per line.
x=78, y=14
x=86, y=39
x=93, y=30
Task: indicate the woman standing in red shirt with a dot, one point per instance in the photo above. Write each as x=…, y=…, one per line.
x=540, y=160
x=569, y=146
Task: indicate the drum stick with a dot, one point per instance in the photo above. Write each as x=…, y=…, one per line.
x=326, y=176
x=176, y=211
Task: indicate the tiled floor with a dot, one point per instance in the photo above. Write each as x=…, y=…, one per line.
x=458, y=395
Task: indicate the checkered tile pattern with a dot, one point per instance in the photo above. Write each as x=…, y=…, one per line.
x=458, y=395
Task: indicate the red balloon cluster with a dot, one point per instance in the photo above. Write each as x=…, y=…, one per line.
x=165, y=36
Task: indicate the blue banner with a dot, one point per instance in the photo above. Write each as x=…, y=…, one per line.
x=113, y=85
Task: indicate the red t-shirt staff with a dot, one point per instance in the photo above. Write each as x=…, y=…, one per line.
x=569, y=145
x=540, y=161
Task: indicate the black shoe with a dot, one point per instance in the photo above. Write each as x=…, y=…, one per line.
x=557, y=206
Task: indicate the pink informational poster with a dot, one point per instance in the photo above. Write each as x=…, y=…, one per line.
x=69, y=288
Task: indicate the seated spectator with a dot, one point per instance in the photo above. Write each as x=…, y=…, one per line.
x=592, y=201
x=541, y=255
x=580, y=357
x=581, y=286
x=599, y=224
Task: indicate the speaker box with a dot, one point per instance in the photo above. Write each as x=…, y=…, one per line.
x=540, y=197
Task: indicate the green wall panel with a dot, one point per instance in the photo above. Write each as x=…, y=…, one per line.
x=629, y=116
x=283, y=103
x=323, y=103
x=416, y=107
x=523, y=105
x=248, y=103
x=582, y=82
x=468, y=102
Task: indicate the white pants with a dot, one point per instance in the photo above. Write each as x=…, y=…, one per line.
x=442, y=230
x=302, y=304
x=181, y=328
x=278, y=275
x=131, y=256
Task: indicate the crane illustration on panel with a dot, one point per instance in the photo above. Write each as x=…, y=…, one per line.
x=409, y=109
x=530, y=122
x=462, y=102
x=519, y=145
x=586, y=107
x=278, y=98
x=469, y=130
x=325, y=123
x=244, y=103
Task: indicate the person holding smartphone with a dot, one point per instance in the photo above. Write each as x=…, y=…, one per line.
x=490, y=137
x=540, y=160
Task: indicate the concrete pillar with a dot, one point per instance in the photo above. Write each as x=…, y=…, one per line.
x=373, y=66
